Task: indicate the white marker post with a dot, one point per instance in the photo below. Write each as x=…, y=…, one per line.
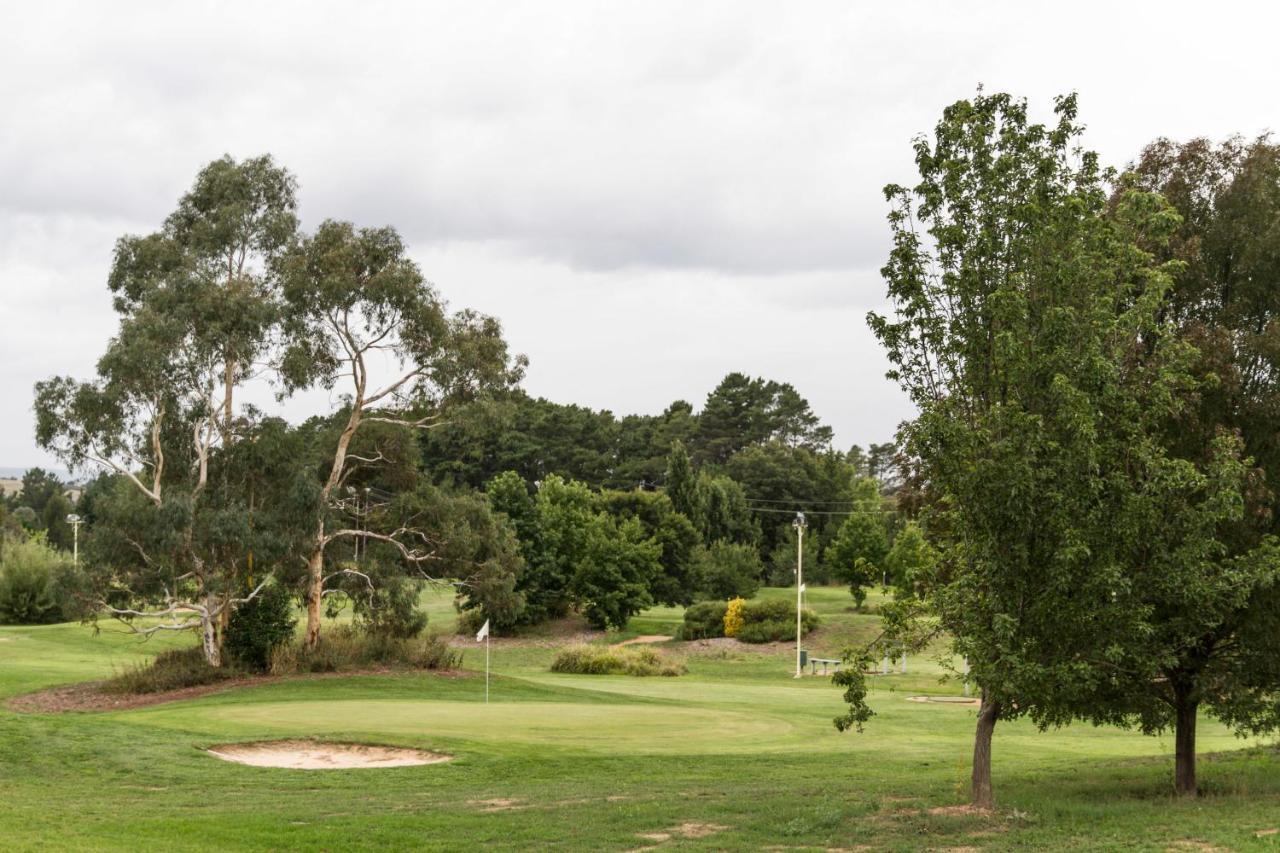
x=799, y=525
x=483, y=634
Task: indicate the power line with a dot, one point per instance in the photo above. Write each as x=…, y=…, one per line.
x=794, y=502
x=819, y=511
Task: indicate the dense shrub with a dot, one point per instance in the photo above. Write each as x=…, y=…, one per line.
x=762, y=621
x=703, y=620
x=347, y=648
x=31, y=577
x=170, y=670
x=259, y=625
x=583, y=659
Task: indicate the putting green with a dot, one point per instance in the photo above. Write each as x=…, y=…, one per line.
x=594, y=728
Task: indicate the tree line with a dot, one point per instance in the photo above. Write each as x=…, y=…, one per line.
x=435, y=467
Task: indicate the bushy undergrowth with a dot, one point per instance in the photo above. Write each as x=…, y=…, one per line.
x=172, y=670
x=347, y=648
x=38, y=584
x=583, y=659
x=258, y=626
x=703, y=620
x=761, y=621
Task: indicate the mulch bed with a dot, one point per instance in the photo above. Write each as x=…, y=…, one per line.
x=88, y=695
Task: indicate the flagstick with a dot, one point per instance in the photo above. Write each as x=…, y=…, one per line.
x=486, y=669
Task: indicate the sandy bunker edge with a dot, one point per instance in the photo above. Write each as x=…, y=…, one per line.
x=323, y=755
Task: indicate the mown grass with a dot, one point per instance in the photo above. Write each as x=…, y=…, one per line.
x=735, y=749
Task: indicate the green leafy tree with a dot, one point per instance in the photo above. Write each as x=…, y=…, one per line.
x=678, y=582
x=729, y=570
x=354, y=303
x=613, y=578
x=858, y=553
x=910, y=559
x=1212, y=636
x=1027, y=330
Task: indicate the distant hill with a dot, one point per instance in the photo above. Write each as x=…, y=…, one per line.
x=11, y=473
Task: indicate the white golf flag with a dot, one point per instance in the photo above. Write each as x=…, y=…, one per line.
x=803, y=587
x=483, y=632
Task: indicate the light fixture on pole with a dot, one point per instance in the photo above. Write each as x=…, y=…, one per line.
x=799, y=525
x=75, y=522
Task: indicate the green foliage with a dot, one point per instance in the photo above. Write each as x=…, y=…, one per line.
x=171, y=670
x=1029, y=330
x=858, y=553
x=743, y=411
x=617, y=570
x=32, y=580
x=727, y=570
x=679, y=580
x=782, y=559
x=579, y=556
x=911, y=559
x=763, y=621
x=773, y=620
x=258, y=626
x=703, y=620
x=583, y=659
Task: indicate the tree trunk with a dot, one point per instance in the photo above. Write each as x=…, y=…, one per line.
x=315, y=590
x=988, y=714
x=1185, y=742
x=211, y=637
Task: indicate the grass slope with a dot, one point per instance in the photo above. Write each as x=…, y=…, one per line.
x=734, y=755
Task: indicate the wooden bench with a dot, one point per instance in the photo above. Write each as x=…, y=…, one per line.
x=813, y=664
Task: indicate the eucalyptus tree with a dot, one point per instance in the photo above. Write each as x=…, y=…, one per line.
x=360, y=318
x=196, y=302
x=1027, y=328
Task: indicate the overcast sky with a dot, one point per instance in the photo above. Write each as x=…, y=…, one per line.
x=649, y=195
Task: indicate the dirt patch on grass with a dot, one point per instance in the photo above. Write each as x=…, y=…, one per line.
x=315, y=755
x=958, y=811
x=687, y=830
x=719, y=646
x=88, y=695
x=497, y=804
x=644, y=640
x=958, y=701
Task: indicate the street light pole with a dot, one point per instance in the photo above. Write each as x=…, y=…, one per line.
x=799, y=525
x=74, y=521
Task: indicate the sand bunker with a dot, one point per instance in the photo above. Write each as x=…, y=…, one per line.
x=963, y=701
x=311, y=755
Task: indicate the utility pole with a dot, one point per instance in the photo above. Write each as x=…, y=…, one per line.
x=799, y=525
x=75, y=522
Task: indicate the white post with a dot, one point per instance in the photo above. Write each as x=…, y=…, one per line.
x=904, y=660
x=799, y=525
x=486, y=669
x=75, y=520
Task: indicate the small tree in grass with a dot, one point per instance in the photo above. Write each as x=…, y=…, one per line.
x=857, y=554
